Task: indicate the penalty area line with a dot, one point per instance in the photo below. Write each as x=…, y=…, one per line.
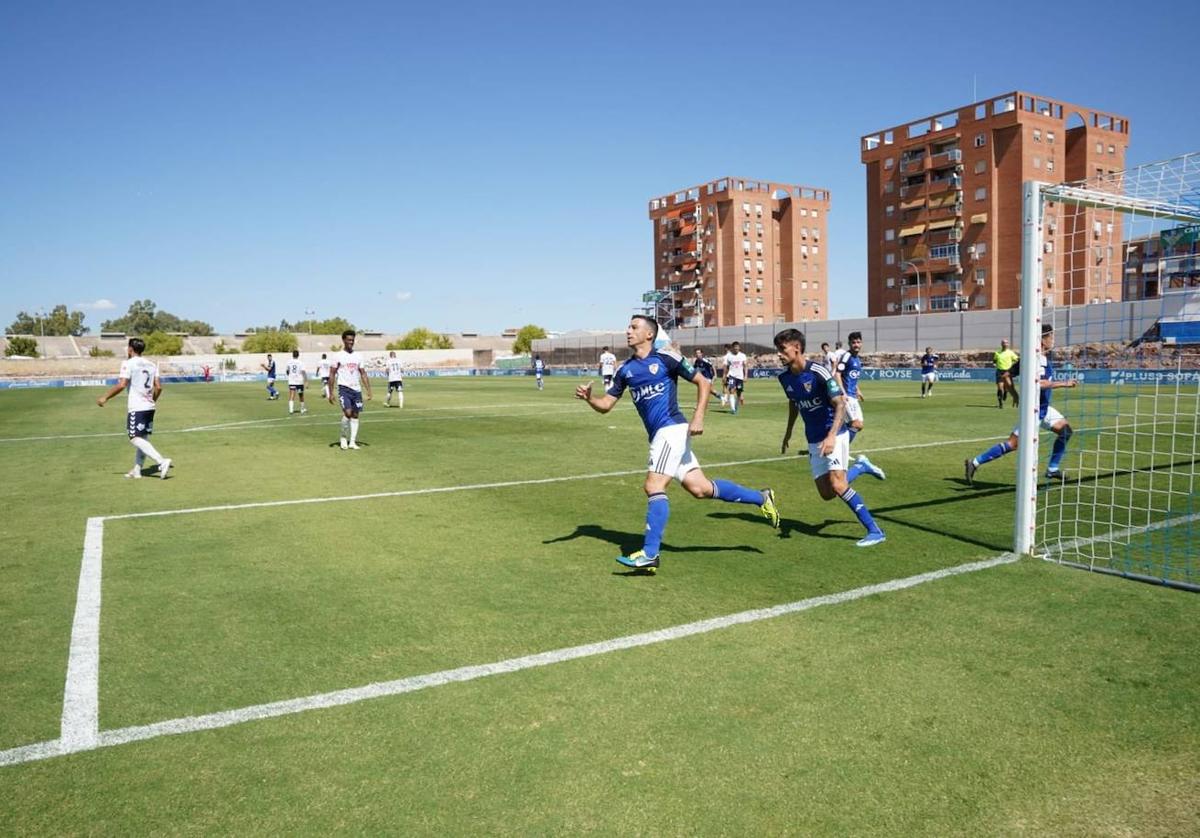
x=382, y=689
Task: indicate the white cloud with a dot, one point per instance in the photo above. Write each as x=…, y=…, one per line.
x=99, y=305
x=404, y=296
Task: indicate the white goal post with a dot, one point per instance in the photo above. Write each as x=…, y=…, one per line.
x=1125, y=500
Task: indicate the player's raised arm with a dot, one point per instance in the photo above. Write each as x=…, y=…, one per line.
x=600, y=404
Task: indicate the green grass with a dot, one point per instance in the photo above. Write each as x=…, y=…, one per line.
x=1024, y=699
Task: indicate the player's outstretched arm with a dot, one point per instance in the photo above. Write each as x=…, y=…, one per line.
x=121, y=384
x=366, y=382
x=600, y=404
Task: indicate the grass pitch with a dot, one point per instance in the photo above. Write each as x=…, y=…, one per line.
x=1025, y=698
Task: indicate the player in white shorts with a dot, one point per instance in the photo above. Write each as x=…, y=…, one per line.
x=608, y=366
x=395, y=373
x=323, y=374
x=296, y=378
x=351, y=377
x=141, y=377
x=735, y=376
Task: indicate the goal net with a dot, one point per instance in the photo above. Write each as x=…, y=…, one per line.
x=1114, y=264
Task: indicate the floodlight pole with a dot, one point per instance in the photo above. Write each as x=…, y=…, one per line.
x=1031, y=333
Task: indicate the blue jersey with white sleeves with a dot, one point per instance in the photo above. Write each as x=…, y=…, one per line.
x=928, y=363
x=851, y=369
x=813, y=390
x=651, y=382
x=271, y=369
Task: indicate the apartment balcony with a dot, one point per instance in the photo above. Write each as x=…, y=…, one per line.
x=948, y=157
x=685, y=242
x=949, y=235
x=914, y=190
x=913, y=165
x=682, y=258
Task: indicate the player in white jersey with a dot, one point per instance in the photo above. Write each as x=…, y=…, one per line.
x=141, y=377
x=323, y=374
x=608, y=367
x=350, y=375
x=296, y=378
x=735, y=362
x=395, y=381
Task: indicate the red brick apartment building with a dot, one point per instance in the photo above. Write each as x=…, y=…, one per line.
x=735, y=251
x=944, y=206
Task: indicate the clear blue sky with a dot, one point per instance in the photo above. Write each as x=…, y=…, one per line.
x=473, y=166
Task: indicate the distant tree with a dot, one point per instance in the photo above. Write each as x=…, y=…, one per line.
x=422, y=338
x=332, y=326
x=270, y=340
x=525, y=338
x=21, y=346
x=160, y=343
x=143, y=318
x=59, y=322
x=221, y=349
x=97, y=352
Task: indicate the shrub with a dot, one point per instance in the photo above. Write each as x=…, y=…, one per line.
x=97, y=352
x=21, y=346
x=160, y=343
x=270, y=340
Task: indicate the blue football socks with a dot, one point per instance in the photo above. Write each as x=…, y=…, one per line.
x=859, y=507
x=731, y=492
x=994, y=453
x=658, y=510
x=855, y=471
x=1056, y=453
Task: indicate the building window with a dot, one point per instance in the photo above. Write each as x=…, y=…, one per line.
x=980, y=140
x=746, y=208
x=745, y=245
x=758, y=300
x=981, y=249
x=758, y=248
x=746, y=320
x=816, y=234
x=746, y=283
x=758, y=228
x=889, y=258
x=804, y=250
x=980, y=166
x=980, y=275
x=891, y=282
x=1037, y=135
x=889, y=235
x=803, y=212
x=889, y=187
x=804, y=285
x=758, y=263
x=1037, y=162
x=889, y=210
x=815, y=250
x=745, y=228
x=1112, y=149
x=747, y=300
x=981, y=193
x=814, y=213
x=1050, y=165
x=746, y=264
x=758, y=210
x=1099, y=148
x=889, y=163
x=1049, y=136
x=891, y=307
x=760, y=282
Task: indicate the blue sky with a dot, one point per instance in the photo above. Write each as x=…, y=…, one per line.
x=469, y=167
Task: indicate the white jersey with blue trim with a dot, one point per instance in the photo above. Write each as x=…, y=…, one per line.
x=395, y=370
x=651, y=382
x=295, y=372
x=140, y=373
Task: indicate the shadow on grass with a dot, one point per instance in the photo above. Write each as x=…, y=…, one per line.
x=627, y=543
x=787, y=525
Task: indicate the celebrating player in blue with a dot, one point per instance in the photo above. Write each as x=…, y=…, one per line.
x=929, y=363
x=651, y=376
x=813, y=394
x=1049, y=417
x=269, y=366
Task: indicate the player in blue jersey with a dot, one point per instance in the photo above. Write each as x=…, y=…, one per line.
x=929, y=363
x=650, y=376
x=703, y=366
x=849, y=371
x=813, y=394
x=269, y=366
x=1049, y=417
x=539, y=367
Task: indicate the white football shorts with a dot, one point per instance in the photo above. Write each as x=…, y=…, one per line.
x=929, y=376
x=671, y=452
x=853, y=410
x=838, y=459
x=1052, y=418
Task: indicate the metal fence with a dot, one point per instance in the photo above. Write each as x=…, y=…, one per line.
x=948, y=332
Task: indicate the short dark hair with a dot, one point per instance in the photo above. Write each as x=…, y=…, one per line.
x=653, y=323
x=295, y=353
x=322, y=355
x=137, y=345
x=790, y=336
x=1047, y=328
x=736, y=343
x=606, y=349
x=349, y=333
x=854, y=336
x=824, y=344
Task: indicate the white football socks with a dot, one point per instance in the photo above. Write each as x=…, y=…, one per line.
x=353, y=431
x=143, y=445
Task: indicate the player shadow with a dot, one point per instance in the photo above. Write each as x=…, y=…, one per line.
x=360, y=444
x=626, y=542
x=787, y=525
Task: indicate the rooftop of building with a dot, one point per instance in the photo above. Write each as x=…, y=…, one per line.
x=730, y=185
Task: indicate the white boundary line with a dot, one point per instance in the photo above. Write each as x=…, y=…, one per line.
x=81, y=697
x=380, y=689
